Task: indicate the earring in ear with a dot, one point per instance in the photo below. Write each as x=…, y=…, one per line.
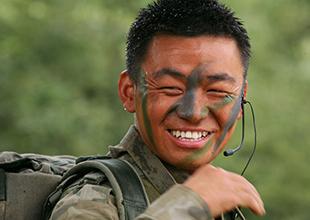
x=125, y=109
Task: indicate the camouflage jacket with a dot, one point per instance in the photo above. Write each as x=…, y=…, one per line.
x=168, y=198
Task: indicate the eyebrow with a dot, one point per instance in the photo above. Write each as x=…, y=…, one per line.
x=217, y=77
x=170, y=72
x=220, y=77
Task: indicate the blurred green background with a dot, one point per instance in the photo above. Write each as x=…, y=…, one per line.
x=59, y=66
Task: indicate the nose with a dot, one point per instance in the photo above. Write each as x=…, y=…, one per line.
x=192, y=107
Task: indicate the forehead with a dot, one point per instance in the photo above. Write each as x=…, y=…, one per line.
x=184, y=54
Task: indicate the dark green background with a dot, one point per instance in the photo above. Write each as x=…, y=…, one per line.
x=59, y=66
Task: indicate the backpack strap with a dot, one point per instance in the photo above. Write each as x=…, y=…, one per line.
x=17, y=165
x=2, y=193
x=134, y=196
x=131, y=199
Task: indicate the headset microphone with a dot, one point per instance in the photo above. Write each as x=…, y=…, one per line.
x=230, y=152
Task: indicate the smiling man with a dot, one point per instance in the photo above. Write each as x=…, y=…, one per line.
x=185, y=81
x=187, y=98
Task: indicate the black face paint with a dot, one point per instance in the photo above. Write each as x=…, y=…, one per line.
x=185, y=106
x=232, y=118
x=143, y=91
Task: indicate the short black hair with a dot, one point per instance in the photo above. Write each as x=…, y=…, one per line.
x=183, y=18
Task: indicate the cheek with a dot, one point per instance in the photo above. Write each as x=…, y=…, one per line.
x=143, y=116
x=151, y=110
x=222, y=111
x=139, y=113
x=159, y=106
x=222, y=116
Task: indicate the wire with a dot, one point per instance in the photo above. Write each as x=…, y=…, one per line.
x=237, y=212
x=255, y=138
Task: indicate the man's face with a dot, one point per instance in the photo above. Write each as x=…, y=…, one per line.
x=188, y=97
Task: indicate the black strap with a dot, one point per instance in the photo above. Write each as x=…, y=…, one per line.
x=2, y=185
x=17, y=165
x=135, y=200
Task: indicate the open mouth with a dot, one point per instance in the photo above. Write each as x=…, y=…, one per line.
x=189, y=135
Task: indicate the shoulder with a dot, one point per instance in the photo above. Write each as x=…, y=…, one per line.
x=84, y=199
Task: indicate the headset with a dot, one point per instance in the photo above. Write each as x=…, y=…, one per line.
x=231, y=152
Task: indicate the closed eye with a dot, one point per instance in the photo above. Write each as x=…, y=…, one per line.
x=217, y=92
x=171, y=91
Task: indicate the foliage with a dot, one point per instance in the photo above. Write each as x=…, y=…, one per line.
x=60, y=62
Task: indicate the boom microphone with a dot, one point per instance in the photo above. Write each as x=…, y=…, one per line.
x=231, y=152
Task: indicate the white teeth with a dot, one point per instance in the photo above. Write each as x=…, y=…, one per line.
x=190, y=135
x=182, y=134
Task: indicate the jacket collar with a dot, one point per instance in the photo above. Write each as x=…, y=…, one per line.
x=162, y=176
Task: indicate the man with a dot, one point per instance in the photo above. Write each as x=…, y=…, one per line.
x=185, y=81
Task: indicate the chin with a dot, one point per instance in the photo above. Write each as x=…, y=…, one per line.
x=190, y=167
x=196, y=164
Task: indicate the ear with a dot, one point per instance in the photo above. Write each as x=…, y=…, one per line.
x=245, y=90
x=126, y=91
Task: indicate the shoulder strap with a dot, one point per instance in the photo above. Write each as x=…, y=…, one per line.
x=131, y=199
x=17, y=165
x=2, y=193
x=134, y=196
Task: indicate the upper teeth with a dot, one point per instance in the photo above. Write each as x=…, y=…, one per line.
x=189, y=134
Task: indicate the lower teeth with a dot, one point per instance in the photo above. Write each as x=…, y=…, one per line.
x=189, y=139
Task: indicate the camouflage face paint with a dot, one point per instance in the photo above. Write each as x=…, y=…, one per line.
x=204, y=111
x=195, y=155
x=185, y=107
x=143, y=93
x=186, y=104
x=232, y=118
x=226, y=100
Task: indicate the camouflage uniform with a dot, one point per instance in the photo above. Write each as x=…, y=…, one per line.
x=168, y=198
x=41, y=163
x=26, y=180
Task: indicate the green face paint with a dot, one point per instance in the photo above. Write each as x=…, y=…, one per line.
x=204, y=111
x=233, y=117
x=143, y=92
x=196, y=155
x=186, y=105
x=226, y=100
